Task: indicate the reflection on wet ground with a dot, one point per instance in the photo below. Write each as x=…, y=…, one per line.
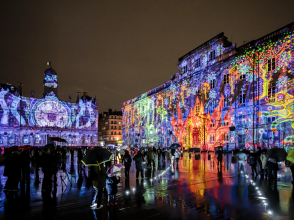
x=193, y=189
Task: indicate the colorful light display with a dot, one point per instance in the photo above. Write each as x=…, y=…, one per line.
x=221, y=95
x=28, y=120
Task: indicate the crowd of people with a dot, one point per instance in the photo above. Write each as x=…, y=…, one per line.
x=50, y=159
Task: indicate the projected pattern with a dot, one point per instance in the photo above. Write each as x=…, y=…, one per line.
x=234, y=97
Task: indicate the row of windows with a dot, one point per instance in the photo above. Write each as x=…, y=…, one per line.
x=198, y=62
x=114, y=127
x=212, y=138
x=114, y=133
x=115, y=122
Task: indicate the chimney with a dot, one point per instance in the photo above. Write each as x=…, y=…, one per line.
x=78, y=97
x=85, y=93
x=110, y=111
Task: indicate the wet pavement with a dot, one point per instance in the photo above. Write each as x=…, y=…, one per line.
x=196, y=189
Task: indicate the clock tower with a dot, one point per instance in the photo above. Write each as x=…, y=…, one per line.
x=50, y=81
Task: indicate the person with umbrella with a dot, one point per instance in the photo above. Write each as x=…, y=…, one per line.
x=111, y=183
x=220, y=157
x=95, y=159
x=177, y=156
x=98, y=176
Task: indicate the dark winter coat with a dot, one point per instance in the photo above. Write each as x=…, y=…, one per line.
x=158, y=151
x=47, y=162
x=12, y=166
x=151, y=154
x=252, y=160
x=220, y=155
x=98, y=175
x=111, y=185
x=138, y=159
x=25, y=161
x=127, y=160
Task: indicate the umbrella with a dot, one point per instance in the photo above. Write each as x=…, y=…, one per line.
x=25, y=147
x=124, y=147
x=96, y=156
x=290, y=156
x=175, y=145
x=13, y=148
x=58, y=139
x=277, y=153
x=115, y=168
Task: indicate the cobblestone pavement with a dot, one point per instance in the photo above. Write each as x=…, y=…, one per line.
x=195, y=189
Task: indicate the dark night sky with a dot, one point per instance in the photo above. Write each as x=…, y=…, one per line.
x=119, y=49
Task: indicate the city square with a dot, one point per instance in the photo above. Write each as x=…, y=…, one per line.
x=147, y=110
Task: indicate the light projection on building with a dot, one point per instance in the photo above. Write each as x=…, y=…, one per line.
x=29, y=120
x=221, y=96
x=51, y=113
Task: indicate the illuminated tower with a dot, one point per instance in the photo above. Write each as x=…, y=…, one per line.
x=50, y=81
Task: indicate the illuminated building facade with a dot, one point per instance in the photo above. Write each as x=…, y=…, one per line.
x=30, y=121
x=221, y=95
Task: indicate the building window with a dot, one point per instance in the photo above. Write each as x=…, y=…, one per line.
x=114, y=133
x=119, y=122
x=226, y=137
x=212, y=105
x=119, y=128
x=242, y=76
x=212, y=125
x=212, y=55
x=111, y=127
x=226, y=102
x=226, y=78
x=271, y=119
x=272, y=92
x=111, y=133
x=197, y=108
x=119, y=133
x=271, y=64
x=211, y=138
x=111, y=122
x=212, y=83
x=197, y=63
x=111, y=138
x=242, y=98
x=226, y=123
x=184, y=69
x=106, y=122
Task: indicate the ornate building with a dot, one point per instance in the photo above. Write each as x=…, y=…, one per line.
x=30, y=121
x=221, y=95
